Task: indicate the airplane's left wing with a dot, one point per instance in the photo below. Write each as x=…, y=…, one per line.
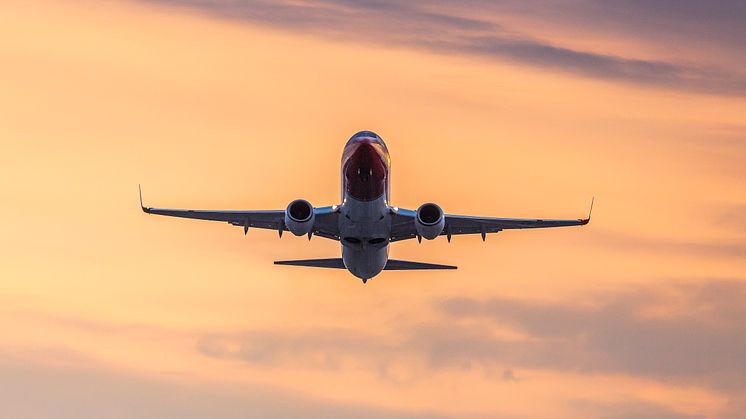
x=325, y=222
x=403, y=226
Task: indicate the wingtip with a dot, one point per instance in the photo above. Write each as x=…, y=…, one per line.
x=142, y=207
x=584, y=221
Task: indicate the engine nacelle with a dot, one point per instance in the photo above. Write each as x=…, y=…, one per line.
x=299, y=217
x=429, y=221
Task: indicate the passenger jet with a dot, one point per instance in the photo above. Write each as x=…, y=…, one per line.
x=365, y=222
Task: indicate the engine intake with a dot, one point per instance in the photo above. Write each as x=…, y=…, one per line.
x=429, y=221
x=299, y=217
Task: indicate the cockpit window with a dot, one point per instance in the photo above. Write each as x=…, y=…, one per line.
x=366, y=134
x=365, y=165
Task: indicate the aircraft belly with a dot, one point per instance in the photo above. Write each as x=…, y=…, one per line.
x=364, y=230
x=366, y=263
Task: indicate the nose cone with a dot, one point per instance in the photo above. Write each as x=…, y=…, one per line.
x=365, y=170
x=367, y=136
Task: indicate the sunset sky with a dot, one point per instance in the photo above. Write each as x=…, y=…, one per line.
x=514, y=109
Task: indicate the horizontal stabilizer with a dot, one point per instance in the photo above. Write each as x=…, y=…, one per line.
x=405, y=265
x=334, y=263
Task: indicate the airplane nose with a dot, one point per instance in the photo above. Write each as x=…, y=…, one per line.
x=368, y=149
x=366, y=137
x=366, y=134
x=365, y=172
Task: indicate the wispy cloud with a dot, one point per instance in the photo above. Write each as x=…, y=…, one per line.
x=732, y=218
x=734, y=249
x=456, y=30
x=637, y=409
x=36, y=390
x=684, y=333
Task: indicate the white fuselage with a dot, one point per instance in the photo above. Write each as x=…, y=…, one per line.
x=365, y=228
x=365, y=214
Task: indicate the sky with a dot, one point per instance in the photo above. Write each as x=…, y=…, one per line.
x=514, y=108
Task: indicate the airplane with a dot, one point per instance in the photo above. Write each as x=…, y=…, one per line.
x=365, y=222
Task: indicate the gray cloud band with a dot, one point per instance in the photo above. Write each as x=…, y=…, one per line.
x=443, y=29
x=683, y=333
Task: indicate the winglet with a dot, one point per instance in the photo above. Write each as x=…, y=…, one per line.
x=584, y=221
x=144, y=209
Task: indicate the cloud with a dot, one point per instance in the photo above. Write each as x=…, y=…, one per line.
x=697, y=338
x=325, y=348
x=33, y=390
x=717, y=22
x=445, y=28
x=631, y=409
x=730, y=249
x=680, y=333
x=732, y=218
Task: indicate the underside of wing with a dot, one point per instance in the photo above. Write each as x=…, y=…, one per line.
x=325, y=220
x=403, y=225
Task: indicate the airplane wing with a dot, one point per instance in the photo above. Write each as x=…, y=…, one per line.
x=325, y=223
x=403, y=228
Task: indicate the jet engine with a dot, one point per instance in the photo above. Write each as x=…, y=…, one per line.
x=429, y=221
x=299, y=217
